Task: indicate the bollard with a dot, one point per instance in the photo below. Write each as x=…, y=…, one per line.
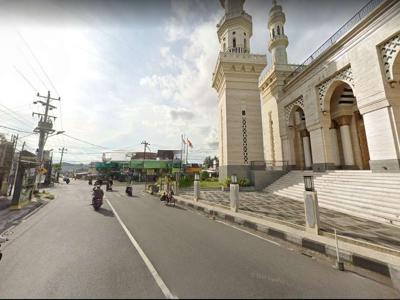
x=196, y=188
x=339, y=264
x=234, y=194
x=311, y=209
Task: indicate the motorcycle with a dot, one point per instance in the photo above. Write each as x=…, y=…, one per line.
x=97, y=200
x=2, y=240
x=128, y=191
x=90, y=182
x=108, y=186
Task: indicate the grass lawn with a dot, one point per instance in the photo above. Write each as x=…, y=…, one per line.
x=210, y=184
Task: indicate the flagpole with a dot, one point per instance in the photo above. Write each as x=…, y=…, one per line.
x=181, y=150
x=187, y=151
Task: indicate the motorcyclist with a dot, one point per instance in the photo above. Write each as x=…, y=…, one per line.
x=98, y=192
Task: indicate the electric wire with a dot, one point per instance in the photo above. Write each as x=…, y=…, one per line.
x=26, y=79
x=15, y=129
x=37, y=61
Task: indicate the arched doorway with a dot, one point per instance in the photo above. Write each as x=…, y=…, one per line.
x=299, y=138
x=348, y=137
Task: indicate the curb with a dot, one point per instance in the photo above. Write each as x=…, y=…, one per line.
x=357, y=253
x=31, y=211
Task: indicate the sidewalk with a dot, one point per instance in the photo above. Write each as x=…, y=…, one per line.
x=9, y=217
x=360, y=242
x=262, y=204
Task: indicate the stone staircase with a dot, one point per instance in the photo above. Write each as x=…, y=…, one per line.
x=373, y=196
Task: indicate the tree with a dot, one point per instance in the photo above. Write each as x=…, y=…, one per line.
x=209, y=162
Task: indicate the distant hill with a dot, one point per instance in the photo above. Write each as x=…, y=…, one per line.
x=68, y=167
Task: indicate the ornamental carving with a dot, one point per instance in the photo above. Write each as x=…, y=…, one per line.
x=288, y=109
x=388, y=51
x=344, y=75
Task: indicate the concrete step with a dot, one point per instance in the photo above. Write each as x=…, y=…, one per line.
x=346, y=208
x=372, y=180
x=350, y=196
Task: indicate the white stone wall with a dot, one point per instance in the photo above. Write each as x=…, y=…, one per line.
x=269, y=109
x=361, y=56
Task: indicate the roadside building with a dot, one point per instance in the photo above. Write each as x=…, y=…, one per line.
x=6, y=158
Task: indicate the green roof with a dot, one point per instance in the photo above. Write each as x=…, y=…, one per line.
x=150, y=164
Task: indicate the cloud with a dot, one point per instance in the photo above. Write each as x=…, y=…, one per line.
x=181, y=114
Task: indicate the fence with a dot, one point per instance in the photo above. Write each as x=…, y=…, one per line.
x=361, y=14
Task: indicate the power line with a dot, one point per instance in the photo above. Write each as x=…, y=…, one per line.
x=16, y=117
x=15, y=129
x=33, y=69
x=84, y=141
x=38, y=62
x=26, y=79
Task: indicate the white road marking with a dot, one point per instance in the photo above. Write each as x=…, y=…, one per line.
x=261, y=238
x=167, y=293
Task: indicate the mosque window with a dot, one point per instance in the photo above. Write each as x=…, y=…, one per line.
x=224, y=47
x=234, y=32
x=244, y=134
x=278, y=30
x=234, y=43
x=273, y=32
x=244, y=44
x=283, y=32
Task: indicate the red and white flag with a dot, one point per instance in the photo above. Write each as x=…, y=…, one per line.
x=190, y=143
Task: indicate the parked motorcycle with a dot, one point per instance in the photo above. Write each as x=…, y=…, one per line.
x=97, y=199
x=90, y=182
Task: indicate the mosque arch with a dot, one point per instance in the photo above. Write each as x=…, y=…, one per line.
x=299, y=139
x=347, y=133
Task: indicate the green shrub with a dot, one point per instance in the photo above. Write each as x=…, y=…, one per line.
x=185, y=181
x=244, y=182
x=226, y=182
x=204, y=176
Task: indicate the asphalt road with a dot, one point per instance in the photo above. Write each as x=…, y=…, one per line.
x=67, y=250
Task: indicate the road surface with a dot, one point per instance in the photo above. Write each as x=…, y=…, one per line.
x=148, y=250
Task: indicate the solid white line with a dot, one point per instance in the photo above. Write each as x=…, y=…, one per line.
x=264, y=239
x=167, y=293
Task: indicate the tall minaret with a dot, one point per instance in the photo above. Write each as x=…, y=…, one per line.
x=236, y=81
x=278, y=40
x=235, y=28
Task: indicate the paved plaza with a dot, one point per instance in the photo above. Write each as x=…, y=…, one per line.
x=264, y=204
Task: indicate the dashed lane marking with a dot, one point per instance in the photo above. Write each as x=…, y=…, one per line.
x=167, y=293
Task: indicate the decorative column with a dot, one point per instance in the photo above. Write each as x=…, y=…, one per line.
x=344, y=123
x=335, y=146
x=306, y=149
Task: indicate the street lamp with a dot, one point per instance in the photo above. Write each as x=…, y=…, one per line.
x=196, y=177
x=309, y=183
x=233, y=179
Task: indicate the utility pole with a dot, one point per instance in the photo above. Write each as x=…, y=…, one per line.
x=62, y=154
x=145, y=143
x=17, y=188
x=13, y=162
x=45, y=126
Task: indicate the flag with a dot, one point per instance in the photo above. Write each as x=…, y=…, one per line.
x=190, y=143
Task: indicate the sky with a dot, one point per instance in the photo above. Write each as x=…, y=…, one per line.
x=129, y=71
